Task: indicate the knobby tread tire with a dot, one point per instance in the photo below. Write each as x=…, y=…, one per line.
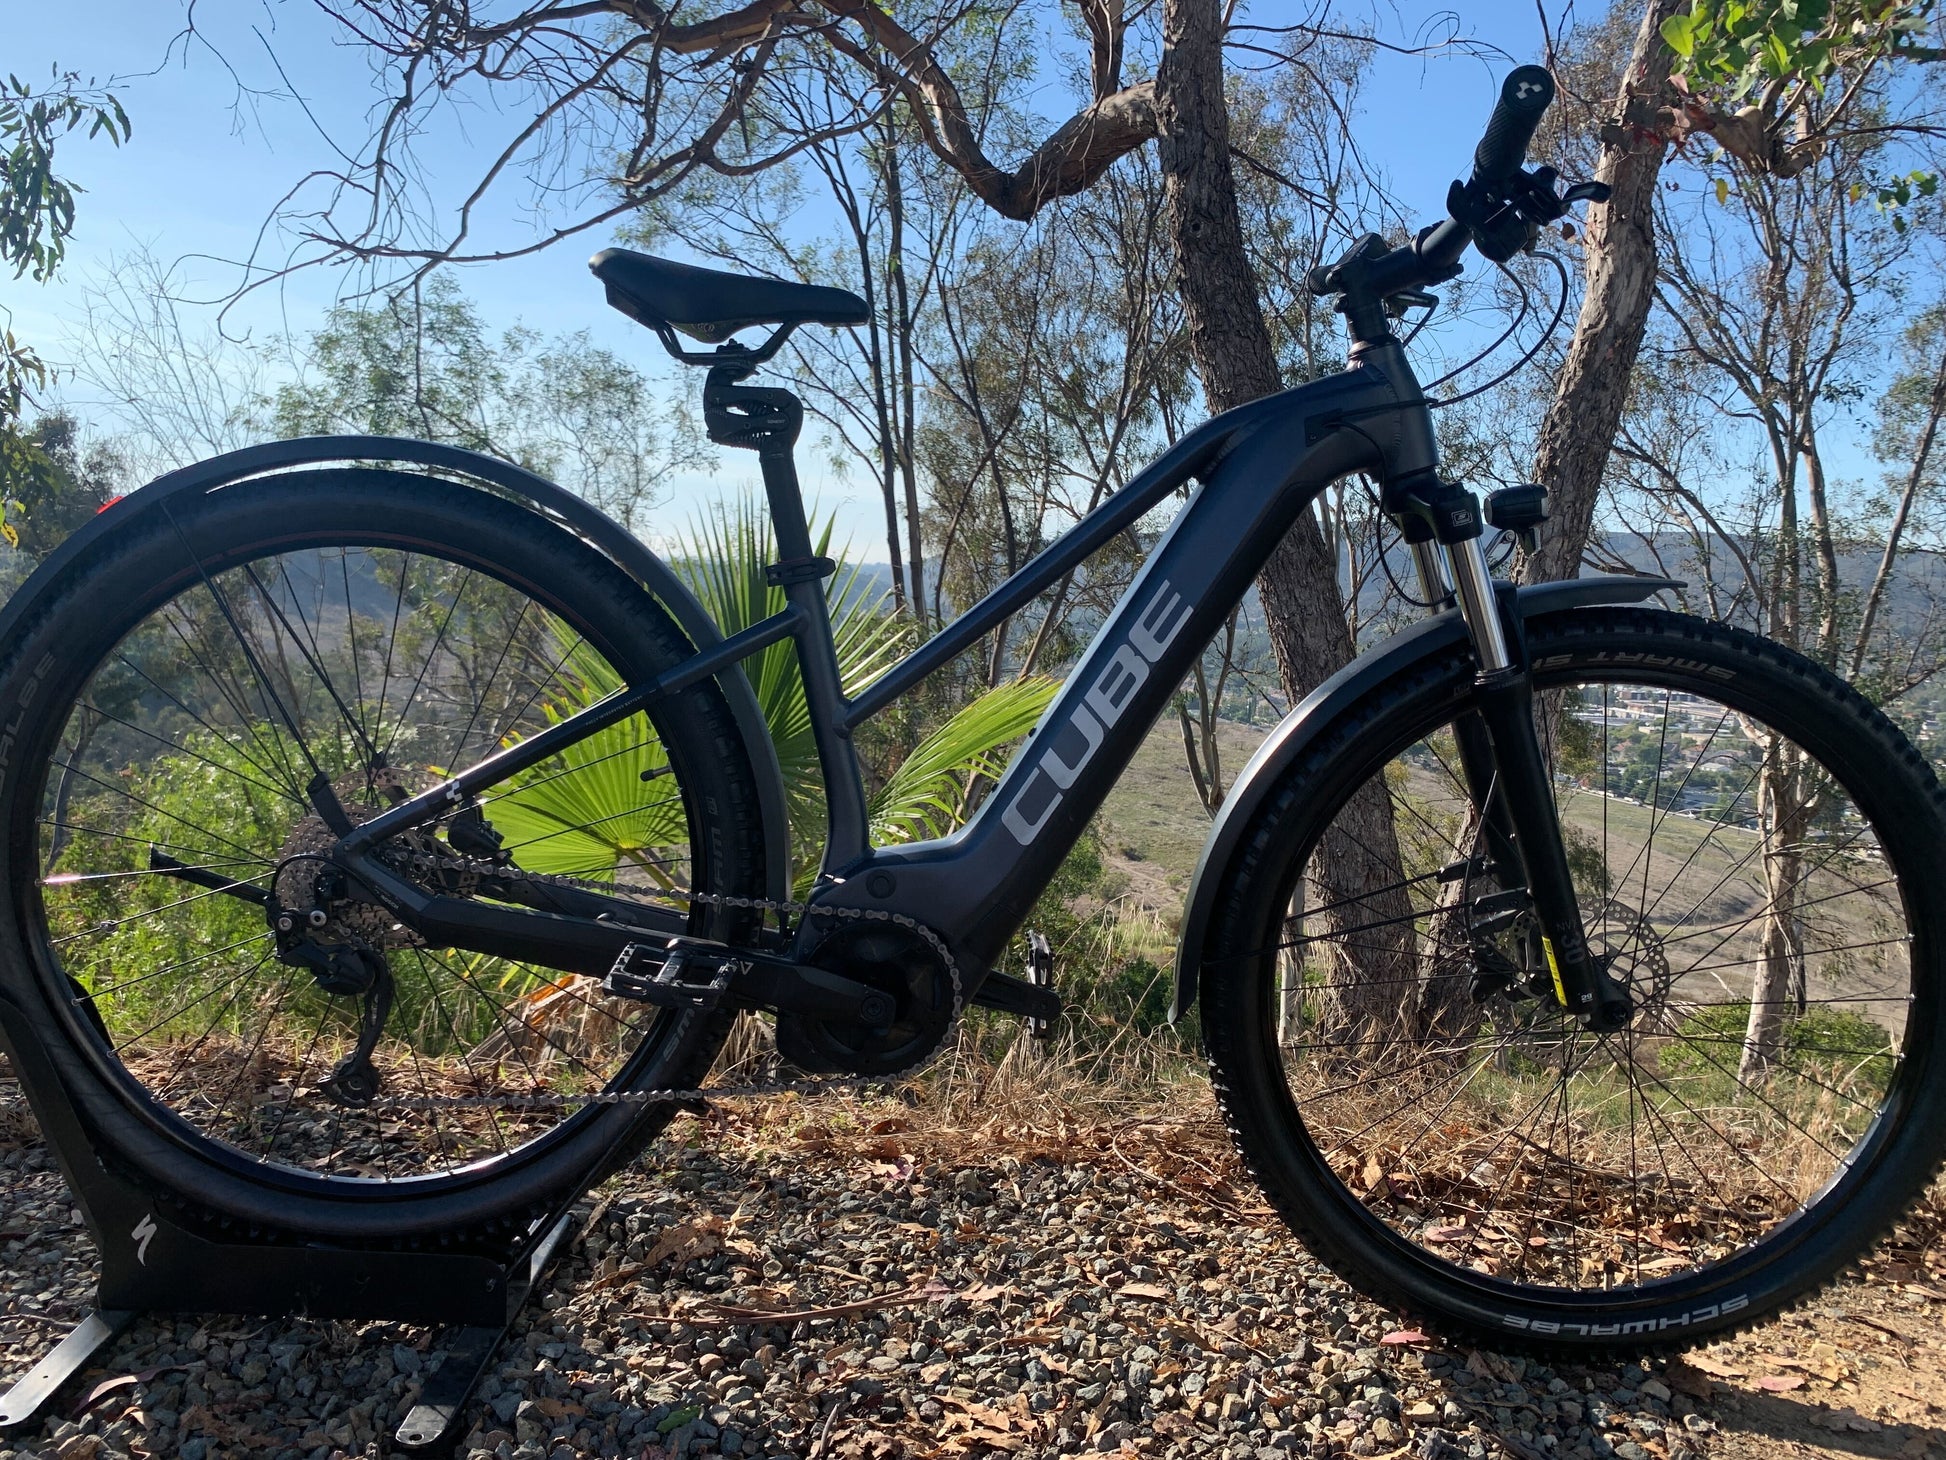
x=1891, y=782
x=120, y=580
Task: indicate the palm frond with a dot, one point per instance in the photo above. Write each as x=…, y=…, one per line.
x=599, y=808
x=923, y=797
x=589, y=812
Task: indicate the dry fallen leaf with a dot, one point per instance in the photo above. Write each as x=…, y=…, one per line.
x=687, y=1241
x=1688, y=1378
x=1779, y=1383
x=101, y=1392
x=1152, y=1291
x=1405, y=1336
x=1716, y=1368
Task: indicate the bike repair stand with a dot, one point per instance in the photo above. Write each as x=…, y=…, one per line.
x=152, y=1263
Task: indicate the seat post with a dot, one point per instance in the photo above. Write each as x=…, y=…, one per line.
x=767, y=420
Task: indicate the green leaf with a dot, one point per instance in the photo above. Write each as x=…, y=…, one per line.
x=1678, y=31
x=1722, y=190
x=926, y=795
x=588, y=812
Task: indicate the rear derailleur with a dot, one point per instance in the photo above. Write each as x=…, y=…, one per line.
x=349, y=969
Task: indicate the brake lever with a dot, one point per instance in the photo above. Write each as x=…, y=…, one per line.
x=1509, y=222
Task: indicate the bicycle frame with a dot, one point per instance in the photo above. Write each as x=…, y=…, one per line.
x=1258, y=466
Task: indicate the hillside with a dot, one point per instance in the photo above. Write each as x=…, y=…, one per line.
x=1153, y=826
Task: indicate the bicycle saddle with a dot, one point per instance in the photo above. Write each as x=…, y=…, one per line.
x=709, y=305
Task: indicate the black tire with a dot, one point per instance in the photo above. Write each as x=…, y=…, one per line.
x=436, y=573
x=1393, y=1130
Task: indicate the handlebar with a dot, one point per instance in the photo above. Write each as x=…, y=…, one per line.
x=1502, y=152
x=1486, y=211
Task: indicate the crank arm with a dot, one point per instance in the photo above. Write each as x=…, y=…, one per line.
x=161, y=861
x=697, y=974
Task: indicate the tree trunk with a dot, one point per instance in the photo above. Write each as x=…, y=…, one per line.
x=902, y=329
x=1230, y=343
x=1783, y=819
x=1621, y=263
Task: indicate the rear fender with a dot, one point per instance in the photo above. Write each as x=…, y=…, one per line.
x=1299, y=729
x=554, y=504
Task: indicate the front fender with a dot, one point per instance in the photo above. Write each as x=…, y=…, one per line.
x=554, y=503
x=1296, y=731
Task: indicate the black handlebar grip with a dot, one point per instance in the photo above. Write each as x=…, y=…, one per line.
x=1524, y=95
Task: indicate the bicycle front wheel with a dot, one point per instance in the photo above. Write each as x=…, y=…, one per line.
x=169, y=712
x=1757, y=853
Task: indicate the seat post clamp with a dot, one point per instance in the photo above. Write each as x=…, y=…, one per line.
x=798, y=570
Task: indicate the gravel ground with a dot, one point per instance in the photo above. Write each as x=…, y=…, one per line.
x=838, y=1281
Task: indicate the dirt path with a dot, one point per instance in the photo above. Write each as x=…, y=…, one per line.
x=1100, y=1284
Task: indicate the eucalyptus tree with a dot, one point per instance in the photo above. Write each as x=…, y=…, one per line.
x=1767, y=85
x=1779, y=288
x=37, y=216
x=425, y=364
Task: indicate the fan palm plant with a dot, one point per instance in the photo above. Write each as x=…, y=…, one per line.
x=588, y=813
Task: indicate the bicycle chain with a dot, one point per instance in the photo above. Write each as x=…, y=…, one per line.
x=811, y=1084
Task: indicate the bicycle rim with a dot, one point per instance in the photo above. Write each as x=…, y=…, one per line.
x=380, y=666
x=1726, y=874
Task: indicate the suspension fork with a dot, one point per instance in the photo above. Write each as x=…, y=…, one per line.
x=1500, y=750
x=1524, y=805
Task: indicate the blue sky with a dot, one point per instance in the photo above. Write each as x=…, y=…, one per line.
x=223, y=131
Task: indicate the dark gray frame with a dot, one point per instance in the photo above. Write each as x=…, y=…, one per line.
x=1257, y=467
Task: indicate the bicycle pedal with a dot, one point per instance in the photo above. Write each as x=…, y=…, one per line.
x=672, y=977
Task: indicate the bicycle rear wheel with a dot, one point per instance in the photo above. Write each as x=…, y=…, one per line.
x=1756, y=851
x=171, y=707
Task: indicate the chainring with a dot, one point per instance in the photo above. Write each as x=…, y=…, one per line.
x=895, y=960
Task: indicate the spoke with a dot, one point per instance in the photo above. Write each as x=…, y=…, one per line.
x=500, y=1017
x=392, y=639
x=309, y=655
x=600, y=821
x=285, y=987
x=264, y=687
x=492, y=676
x=1734, y=928
x=69, y=879
x=419, y=681
x=506, y=726
x=1827, y=952
x=110, y=926
x=237, y=700
x=235, y=981
x=1695, y=765
x=351, y=633
x=465, y=1053
x=149, y=841
x=189, y=1055
x=218, y=765
x=297, y=1082
x=522, y=787
x=151, y=806
x=167, y=968
x=1722, y=1139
